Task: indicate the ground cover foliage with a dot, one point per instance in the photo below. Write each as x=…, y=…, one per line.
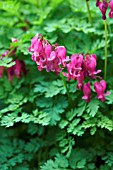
x=39, y=128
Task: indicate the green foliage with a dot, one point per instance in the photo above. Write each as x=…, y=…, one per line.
x=59, y=163
x=39, y=127
x=92, y=107
x=7, y=62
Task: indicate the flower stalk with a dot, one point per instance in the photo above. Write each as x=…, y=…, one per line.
x=89, y=13
x=106, y=49
x=65, y=85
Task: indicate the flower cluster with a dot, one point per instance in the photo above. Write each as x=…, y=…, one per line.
x=79, y=67
x=17, y=69
x=103, y=6
x=51, y=57
x=83, y=67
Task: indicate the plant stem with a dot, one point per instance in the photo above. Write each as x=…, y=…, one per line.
x=106, y=50
x=110, y=31
x=65, y=85
x=37, y=2
x=89, y=13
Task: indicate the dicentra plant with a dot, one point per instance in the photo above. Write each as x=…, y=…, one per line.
x=55, y=113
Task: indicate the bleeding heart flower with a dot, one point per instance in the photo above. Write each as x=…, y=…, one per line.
x=87, y=92
x=74, y=66
x=11, y=73
x=100, y=88
x=80, y=80
x=48, y=50
x=19, y=68
x=89, y=66
x=36, y=44
x=103, y=7
x=111, y=9
x=61, y=54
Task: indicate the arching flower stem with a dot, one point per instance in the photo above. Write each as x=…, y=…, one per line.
x=66, y=87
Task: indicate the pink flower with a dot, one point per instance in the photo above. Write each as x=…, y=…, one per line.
x=53, y=65
x=2, y=68
x=48, y=50
x=80, y=80
x=17, y=70
x=87, y=92
x=89, y=66
x=41, y=50
x=100, y=88
x=75, y=66
x=36, y=44
x=52, y=56
x=103, y=7
x=111, y=9
x=61, y=54
x=11, y=73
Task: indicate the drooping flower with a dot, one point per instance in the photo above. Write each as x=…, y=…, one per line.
x=103, y=7
x=53, y=65
x=74, y=66
x=19, y=68
x=100, y=88
x=11, y=73
x=61, y=54
x=111, y=9
x=48, y=51
x=36, y=44
x=89, y=66
x=87, y=92
x=80, y=80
